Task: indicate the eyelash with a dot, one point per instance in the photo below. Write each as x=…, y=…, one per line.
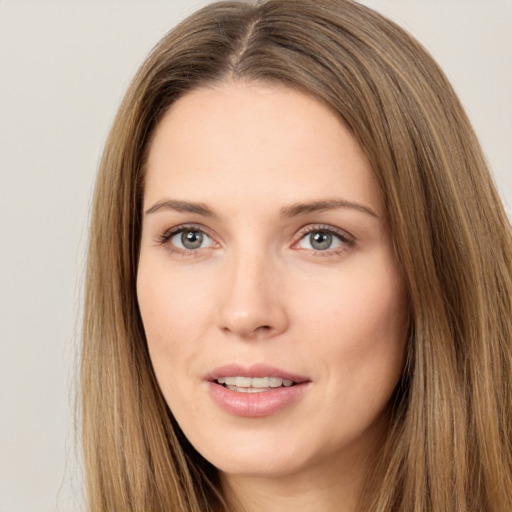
x=346, y=239
x=166, y=237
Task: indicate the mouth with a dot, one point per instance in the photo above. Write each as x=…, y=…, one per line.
x=256, y=390
x=254, y=384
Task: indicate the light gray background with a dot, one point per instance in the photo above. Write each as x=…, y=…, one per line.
x=64, y=66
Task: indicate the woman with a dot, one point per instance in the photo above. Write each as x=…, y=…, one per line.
x=299, y=276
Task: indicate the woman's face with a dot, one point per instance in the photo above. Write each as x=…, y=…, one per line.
x=274, y=311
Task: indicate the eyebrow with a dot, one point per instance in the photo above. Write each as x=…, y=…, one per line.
x=182, y=206
x=293, y=210
x=297, y=209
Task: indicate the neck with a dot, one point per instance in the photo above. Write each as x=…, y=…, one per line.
x=275, y=495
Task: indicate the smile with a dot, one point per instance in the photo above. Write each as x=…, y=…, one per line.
x=256, y=390
x=253, y=384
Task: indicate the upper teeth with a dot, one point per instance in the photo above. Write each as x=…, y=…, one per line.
x=255, y=382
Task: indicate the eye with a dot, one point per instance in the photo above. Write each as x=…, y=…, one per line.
x=319, y=241
x=185, y=239
x=324, y=239
x=189, y=239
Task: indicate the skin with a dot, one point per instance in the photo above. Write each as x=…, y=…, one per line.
x=259, y=290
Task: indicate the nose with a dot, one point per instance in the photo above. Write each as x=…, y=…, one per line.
x=251, y=305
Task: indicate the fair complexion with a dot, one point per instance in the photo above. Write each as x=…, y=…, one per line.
x=265, y=253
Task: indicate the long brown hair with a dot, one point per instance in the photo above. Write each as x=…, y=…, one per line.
x=449, y=446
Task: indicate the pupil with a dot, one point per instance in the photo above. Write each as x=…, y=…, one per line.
x=320, y=241
x=192, y=239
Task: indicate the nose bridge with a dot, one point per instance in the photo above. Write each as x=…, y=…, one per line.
x=250, y=305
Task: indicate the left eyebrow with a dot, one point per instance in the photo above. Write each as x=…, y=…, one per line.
x=297, y=209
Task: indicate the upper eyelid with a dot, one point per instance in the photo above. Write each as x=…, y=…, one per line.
x=165, y=238
x=311, y=228
x=189, y=226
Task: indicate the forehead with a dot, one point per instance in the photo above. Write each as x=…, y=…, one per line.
x=259, y=140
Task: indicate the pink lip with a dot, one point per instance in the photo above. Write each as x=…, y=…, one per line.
x=255, y=404
x=255, y=370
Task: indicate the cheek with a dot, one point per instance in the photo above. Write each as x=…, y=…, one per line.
x=172, y=306
x=171, y=323
x=360, y=327
x=171, y=314
x=366, y=300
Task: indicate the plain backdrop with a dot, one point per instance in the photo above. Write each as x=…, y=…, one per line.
x=64, y=66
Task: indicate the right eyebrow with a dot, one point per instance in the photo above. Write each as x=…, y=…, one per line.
x=181, y=206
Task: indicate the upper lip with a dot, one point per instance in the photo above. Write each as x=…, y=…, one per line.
x=254, y=370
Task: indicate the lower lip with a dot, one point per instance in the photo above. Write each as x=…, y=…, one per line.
x=255, y=405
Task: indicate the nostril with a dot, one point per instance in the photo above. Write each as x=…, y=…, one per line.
x=247, y=331
x=264, y=329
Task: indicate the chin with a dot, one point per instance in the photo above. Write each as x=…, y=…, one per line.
x=275, y=467
x=246, y=455
x=278, y=450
